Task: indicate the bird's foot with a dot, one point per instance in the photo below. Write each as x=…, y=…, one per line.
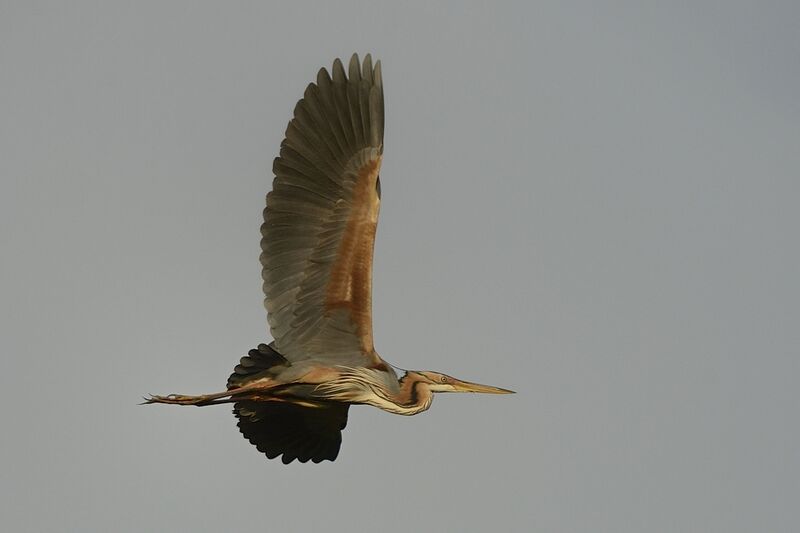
x=176, y=399
x=202, y=399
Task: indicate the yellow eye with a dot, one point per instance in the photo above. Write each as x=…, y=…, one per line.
x=443, y=379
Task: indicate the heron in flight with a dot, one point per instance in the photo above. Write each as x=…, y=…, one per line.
x=291, y=396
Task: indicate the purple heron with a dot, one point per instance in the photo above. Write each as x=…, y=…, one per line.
x=291, y=396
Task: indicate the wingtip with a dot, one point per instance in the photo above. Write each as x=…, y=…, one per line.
x=338, y=71
x=323, y=77
x=354, y=68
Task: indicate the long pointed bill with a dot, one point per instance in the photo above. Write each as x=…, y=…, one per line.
x=466, y=386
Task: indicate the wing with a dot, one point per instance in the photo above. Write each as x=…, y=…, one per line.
x=296, y=432
x=321, y=216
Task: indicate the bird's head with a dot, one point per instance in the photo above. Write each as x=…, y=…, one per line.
x=437, y=382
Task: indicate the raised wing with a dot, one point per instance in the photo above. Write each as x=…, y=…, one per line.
x=321, y=216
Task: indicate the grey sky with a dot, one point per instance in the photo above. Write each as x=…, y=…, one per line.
x=593, y=203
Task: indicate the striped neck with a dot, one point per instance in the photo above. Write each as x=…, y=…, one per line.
x=413, y=396
x=408, y=395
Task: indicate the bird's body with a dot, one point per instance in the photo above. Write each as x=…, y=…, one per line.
x=292, y=396
x=314, y=383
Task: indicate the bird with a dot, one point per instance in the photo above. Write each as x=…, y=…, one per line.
x=291, y=396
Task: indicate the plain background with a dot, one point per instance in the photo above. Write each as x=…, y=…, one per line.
x=594, y=204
